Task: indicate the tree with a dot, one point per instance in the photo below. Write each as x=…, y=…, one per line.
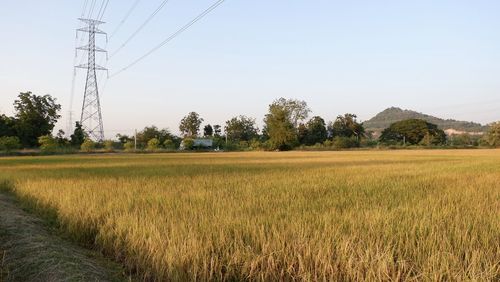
x=217, y=130
x=413, y=132
x=282, y=121
x=60, y=139
x=241, y=128
x=316, y=131
x=153, y=144
x=346, y=126
x=7, y=126
x=302, y=134
x=151, y=132
x=279, y=128
x=190, y=125
x=9, y=143
x=35, y=116
x=78, y=136
x=296, y=110
x=122, y=138
x=208, y=131
x=493, y=135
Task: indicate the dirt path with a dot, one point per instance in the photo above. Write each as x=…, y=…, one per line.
x=30, y=252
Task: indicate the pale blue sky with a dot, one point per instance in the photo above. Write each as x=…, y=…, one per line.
x=440, y=57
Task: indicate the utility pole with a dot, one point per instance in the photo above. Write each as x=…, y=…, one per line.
x=69, y=125
x=91, y=118
x=135, y=140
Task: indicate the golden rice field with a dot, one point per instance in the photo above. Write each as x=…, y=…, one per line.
x=311, y=216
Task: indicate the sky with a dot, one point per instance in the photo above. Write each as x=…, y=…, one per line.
x=437, y=57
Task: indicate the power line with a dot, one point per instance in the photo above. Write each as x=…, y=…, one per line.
x=140, y=28
x=171, y=37
x=91, y=11
x=84, y=8
x=127, y=15
x=104, y=6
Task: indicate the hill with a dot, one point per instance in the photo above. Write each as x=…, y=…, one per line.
x=391, y=115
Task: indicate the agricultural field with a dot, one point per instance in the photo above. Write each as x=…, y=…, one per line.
x=392, y=215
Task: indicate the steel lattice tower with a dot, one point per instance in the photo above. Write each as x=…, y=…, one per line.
x=91, y=118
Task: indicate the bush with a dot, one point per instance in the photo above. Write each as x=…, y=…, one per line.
x=88, y=146
x=169, y=145
x=153, y=144
x=345, y=142
x=256, y=145
x=328, y=143
x=187, y=144
x=48, y=144
x=129, y=146
x=243, y=145
x=370, y=143
x=109, y=146
x=9, y=143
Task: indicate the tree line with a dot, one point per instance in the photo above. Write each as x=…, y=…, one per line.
x=287, y=126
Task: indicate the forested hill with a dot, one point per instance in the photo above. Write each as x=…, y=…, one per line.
x=391, y=115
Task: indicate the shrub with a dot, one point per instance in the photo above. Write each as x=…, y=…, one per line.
x=256, y=145
x=243, y=145
x=9, y=143
x=344, y=142
x=153, y=144
x=88, y=146
x=109, y=146
x=169, y=144
x=462, y=140
x=129, y=146
x=370, y=143
x=187, y=144
x=48, y=144
x=328, y=143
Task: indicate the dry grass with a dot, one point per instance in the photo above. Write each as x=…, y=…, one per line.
x=32, y=253
x=4, y=273
x=406, y=215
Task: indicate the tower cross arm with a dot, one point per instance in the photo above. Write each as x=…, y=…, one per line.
x=91, y=21
x=89, y=30
x=88, y=48
x=86, y=66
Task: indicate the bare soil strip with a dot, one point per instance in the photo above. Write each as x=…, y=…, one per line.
x=30, y=252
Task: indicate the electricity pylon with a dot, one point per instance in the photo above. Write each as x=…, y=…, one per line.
x=91, y=118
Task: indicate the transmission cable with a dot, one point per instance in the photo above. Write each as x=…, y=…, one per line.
x=84, y=8
x=127, y=15
x=171, y=37
x=91, y=11
x=140, y=28
x=104, y=6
